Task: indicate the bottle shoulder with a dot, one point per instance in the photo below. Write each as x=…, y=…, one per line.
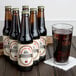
x=13, y=35
x=36, y=37
x=25, y=39
x=43, y=32
x=25, y=42
x=5, y=31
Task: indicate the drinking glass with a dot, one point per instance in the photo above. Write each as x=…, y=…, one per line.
x=62, y=36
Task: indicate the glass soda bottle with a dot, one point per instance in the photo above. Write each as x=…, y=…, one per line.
x=6, y=30
x=43, y=32
x=35, y=34
x=25, y=43
x=14, y=33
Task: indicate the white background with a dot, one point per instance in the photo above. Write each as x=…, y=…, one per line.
x=56, y=11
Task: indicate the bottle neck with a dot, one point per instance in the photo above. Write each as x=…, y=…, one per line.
x=34, y=24
x=8, y=14
x=8, y=18
x=41, y=17
x=7, y=22
x=41, y=22
x=25, y=24
x=15, y=28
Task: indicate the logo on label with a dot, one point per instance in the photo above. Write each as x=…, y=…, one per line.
x=35, y=50
x=13, y=49
x=6, y=41
x=42, y=46
x=25, y=55
x=6, y=45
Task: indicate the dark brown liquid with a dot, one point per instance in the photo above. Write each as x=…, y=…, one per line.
x=41, y=26
x=7, y=22
x=62, y=44
x=34, y=32
x=41, y=22
x=34, y=25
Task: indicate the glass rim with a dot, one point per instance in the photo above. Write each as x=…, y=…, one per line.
x=62, y=26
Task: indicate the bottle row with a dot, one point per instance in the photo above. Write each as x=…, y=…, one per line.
x=24, y=41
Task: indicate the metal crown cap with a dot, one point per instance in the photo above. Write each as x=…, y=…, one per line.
x=7, y=6
x=41, y=7
x=25, y=6
x=25, y=12
x=15, y=9
x=33, y=9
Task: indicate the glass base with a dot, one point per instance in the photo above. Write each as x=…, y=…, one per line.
x=36, y=62
x=42, y=58
x=24, y=69
x=61, y=63
x=6, y=58
x=13, y=63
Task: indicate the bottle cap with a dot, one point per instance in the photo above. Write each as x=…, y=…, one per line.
x=41, y=7
x=25, y=6
x=7, y=6
x=16, y=9
x=25, y=12
x=33, y=9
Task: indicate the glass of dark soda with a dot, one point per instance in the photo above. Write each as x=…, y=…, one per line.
x=62, y=36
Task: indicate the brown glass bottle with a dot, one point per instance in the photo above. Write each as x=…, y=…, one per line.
x=25, y=7
x=25, y=57
x=14, y=33
x=35, y=35
x=6, y=30
x=43, y=32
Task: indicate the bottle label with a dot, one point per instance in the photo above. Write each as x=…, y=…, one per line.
x=36, y=45
x=13, y=49
x=25, y=57
x=42, y=49
x=6, y=45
